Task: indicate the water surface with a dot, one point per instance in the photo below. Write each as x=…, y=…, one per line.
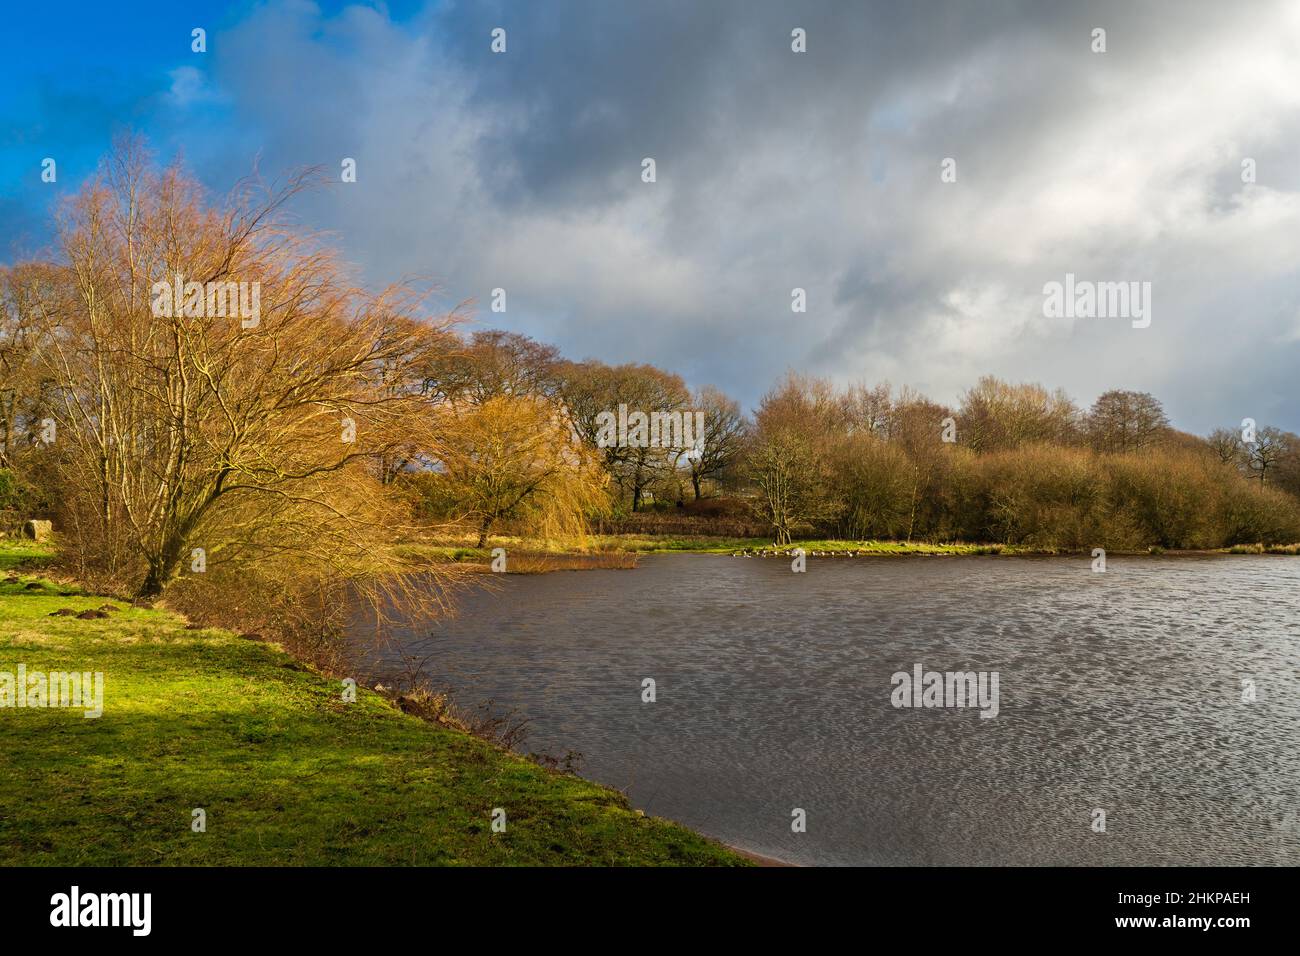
x=1119, y=691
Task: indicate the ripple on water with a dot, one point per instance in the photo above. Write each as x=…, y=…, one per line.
x=1119, y=691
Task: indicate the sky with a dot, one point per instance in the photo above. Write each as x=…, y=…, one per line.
x=822, y=170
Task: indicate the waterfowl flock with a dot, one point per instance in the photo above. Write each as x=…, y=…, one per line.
x=790, y=553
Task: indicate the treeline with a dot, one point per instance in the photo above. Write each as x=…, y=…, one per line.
x=279, y=466
x=1012, y=463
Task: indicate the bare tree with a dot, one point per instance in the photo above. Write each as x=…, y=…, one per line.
x=996, y=415
x=1271, y=445
x=868, y=409
x=1123, y=421
x=201, y=444
x=26, y=296
x=1227, y=446
x=592, y=389
x=720, y=447
x=789, y=456
x=494, y=363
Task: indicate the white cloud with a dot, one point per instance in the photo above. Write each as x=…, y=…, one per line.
x=188, y=86
x=523, y=171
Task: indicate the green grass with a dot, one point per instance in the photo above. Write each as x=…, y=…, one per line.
x=712, y=545
x=1264, y=549
x=706, y=544
x=698, y=544
x=286, y=771
x=21, y=552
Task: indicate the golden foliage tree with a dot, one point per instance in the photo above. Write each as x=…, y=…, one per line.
x=199, y=444
x=516, y=458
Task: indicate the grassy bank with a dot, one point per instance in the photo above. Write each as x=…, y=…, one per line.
x=610, y=546
x=605, y=550
x=286, y=771
x=537, y=555
x=810, y=546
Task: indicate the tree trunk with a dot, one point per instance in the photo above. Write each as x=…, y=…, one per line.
x=161, y=569
x=152, y=585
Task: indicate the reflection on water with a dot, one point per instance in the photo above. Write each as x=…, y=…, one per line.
x=1120, y=691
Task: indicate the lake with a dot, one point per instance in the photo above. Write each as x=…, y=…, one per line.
x=1119, y=691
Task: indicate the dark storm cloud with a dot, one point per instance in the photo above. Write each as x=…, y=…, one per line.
x=818, y=170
